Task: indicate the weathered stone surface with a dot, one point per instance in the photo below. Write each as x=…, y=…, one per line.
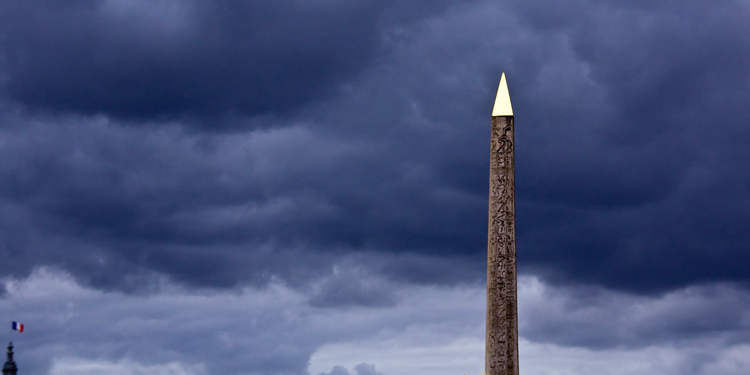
x=501, y=353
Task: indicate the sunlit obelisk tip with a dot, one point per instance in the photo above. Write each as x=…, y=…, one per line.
x=502, y=101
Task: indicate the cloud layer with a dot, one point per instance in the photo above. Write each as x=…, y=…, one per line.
x=74, y=329
x=331, y=157
x=170, y=58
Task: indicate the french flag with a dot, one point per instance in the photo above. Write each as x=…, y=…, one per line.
x=17, y=326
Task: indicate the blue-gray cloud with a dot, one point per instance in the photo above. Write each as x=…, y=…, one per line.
x=185, y=59
x=631, y=130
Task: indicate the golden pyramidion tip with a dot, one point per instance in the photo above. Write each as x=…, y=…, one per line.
x=502, y=101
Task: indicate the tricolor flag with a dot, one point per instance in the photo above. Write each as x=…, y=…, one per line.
x=17, y=326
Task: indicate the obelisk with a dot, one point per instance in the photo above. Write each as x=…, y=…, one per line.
x=501, y=351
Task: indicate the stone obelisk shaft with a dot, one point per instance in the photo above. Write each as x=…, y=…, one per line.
x=501, y=353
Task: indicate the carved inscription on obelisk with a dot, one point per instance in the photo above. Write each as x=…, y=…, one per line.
x=501, y=353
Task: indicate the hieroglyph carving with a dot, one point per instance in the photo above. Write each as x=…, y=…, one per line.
x=501, y=355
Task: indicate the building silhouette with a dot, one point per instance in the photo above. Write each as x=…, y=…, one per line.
x=10, y=366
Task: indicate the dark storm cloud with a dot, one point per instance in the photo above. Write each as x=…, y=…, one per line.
x=349, y=286
x=631, y=129
x=349, y=200
x=635, y=178
x=172, y=58
x=118, y=206
x=596, y=318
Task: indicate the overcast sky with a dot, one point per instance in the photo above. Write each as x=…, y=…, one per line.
x=300, y=187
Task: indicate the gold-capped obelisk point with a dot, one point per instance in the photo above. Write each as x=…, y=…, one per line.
x=502, y=100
